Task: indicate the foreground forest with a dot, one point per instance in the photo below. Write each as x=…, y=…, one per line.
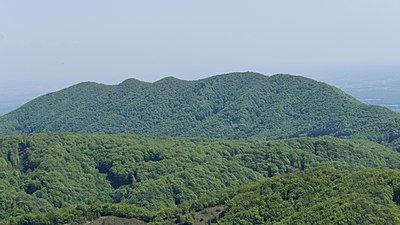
x=319, y=196
x=239, y=148
x=156, y=179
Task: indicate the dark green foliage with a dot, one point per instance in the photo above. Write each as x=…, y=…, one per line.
x=233, y=106
x=42, y=172
x=318, y=196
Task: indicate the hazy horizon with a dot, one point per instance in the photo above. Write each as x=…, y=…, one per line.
x=46, y=46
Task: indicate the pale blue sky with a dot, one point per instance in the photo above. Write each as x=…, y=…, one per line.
x=46, y=45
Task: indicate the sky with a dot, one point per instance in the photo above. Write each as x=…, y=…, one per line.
x=46, y=45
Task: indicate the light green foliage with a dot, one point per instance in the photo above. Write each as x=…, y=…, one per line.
x=42, y=172
x=319, y=196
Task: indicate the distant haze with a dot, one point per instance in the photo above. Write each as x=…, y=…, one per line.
x=48, y=45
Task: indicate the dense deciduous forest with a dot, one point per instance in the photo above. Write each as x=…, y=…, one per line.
x=248, y=148
x=43, y=172
x=231, y=106
x=319, y=196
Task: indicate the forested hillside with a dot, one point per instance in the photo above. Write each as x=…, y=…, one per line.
x=260, y=150
x=319, y=196
x=42, y=172
x=231, y=106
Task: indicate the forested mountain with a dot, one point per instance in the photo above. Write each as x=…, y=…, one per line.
x=80, y=153
x=148, y=178
x=231, y=106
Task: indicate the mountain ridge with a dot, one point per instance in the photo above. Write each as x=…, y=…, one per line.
x=229, y=106
x=177, y=162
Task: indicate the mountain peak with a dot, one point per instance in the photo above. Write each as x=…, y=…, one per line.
x=131, y=81
x=169, y=79
x=239, y=75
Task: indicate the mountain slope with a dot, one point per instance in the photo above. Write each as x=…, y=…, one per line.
x=319, y=196
x=314, y=196
x=42, y=172
x=231, y=106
